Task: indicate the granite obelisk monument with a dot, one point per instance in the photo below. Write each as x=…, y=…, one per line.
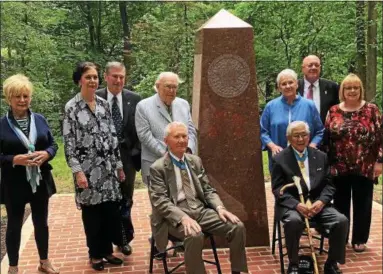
x=226, y=114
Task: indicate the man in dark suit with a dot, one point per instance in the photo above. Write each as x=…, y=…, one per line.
x=323, y=92
x=312, y=167
x=123, y=107
x=184, y=204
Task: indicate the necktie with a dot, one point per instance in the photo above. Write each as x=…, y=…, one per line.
x=169, y=109
x=186, y=184
x=117, y=119
x=310, y=92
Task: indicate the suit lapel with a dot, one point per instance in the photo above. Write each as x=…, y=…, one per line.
x=161, y=109
x=125, y=107
x=296, y=169
x=171, y=178
x=312, y=167
x=193, y=172
x=104, y=94
x=294, y=164
x=301, y=86
x=322, y=96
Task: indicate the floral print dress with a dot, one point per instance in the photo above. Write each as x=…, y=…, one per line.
x=355, y=140
x=91, y=146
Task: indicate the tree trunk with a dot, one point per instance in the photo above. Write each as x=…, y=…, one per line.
x=371, y=51
x=90, y=23
x=360, y=41
x=382, y=61
x=98, y=28
x=268, y=89
x=127, y=50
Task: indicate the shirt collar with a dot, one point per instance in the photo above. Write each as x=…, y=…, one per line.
x=297, y=98
x=315, y=84
x=175, y=157
x=299, y=153
x=111, y=95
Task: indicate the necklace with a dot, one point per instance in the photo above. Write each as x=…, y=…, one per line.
x=92, y=105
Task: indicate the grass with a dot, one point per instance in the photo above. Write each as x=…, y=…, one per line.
x=63, y=175
x=266, y=173
x=61, y=172
x=64, y=180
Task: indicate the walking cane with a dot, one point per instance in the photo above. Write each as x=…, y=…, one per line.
x=297, y=183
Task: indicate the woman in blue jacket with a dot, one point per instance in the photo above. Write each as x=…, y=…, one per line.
x=283, y=110
x=26, y=147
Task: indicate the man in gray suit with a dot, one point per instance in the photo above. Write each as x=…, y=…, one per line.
x=153, y=114
x=185, y=205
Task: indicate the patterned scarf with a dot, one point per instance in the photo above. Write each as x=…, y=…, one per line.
x=33, y=172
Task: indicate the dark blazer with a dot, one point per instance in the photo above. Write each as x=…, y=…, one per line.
x=14, y=184
x=130, y=142
x=328, y=95
x=285, y=166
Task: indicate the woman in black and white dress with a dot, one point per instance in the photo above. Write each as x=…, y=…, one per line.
x=91, y=149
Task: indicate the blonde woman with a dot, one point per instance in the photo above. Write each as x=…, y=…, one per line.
x=26, y=146
x=355, y=154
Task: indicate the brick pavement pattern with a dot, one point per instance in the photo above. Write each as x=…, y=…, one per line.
x=68, y=251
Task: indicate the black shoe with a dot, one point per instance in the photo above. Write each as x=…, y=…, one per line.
x=293, y=269
x=126, y=249
x=113, y=260
x=97, y=266
x=331, y=268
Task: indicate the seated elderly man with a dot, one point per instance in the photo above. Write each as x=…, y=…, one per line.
x=311, y=166
x=185, y=205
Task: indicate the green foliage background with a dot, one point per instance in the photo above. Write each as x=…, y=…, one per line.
x=44, y=40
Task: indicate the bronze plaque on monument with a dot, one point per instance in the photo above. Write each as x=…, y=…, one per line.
x=225, y=112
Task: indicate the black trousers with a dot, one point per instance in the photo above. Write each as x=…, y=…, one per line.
x=360, y=189
x=15, y=212
x=328, y=218
x=127, y=189
x=102, y=227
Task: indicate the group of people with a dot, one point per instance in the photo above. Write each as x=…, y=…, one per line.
x=332, y=139
x=110, y=134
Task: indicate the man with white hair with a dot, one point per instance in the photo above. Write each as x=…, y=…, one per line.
x=153, y=114
x=311, y=165
x=185, y=205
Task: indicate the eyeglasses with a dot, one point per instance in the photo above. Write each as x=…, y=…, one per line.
x=302, y=135
x=352, y=88
x=174, y=87
x=315, y=65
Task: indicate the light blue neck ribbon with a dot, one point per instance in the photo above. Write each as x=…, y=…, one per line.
x=299, y=157
x=33, y=172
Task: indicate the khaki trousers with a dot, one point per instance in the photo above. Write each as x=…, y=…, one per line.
x=210, y=222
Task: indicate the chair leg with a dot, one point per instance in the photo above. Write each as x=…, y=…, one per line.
x=165, y=264
x=280, y=247
x=151, y=255
x=213, y=246
x=321, y=244
x=274, y=237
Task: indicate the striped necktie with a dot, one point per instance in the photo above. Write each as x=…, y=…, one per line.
x=310, y=92
x=187, y=187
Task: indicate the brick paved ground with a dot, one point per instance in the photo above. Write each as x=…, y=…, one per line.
x=68, y=249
